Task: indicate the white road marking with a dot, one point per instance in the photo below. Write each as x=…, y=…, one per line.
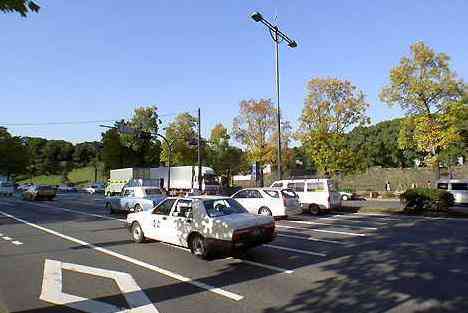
x=361, y=215
x=270, y=267
x=274, y=268
x=329, y=224
x=323, y=231
x=16, y=242
x=351, y=221
x=294, y=250
x=52, y=289
x=151, y=267
x=6, y=238
x=310, y=238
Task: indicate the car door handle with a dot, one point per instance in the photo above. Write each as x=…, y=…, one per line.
x=164, y=218
x=188, y=221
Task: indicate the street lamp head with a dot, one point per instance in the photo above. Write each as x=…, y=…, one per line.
x=256, y=16
x=293, y=44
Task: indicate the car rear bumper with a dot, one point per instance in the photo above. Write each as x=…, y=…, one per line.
x=229, y=247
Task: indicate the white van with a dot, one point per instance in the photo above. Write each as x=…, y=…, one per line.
x=315, y=194
x=457, y=187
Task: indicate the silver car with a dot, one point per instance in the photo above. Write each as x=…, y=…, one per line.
x=135, y=199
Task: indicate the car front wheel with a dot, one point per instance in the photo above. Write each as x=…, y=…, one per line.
x=137, y=233
x=198, y=247
x=344, y=197
x=264, y=211
x=314, y=209
x=138, y=208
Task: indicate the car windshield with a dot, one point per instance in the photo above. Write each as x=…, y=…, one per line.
x=272, y=193
x=221, y=207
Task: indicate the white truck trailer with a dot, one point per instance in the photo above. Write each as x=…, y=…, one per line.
x=183, y=179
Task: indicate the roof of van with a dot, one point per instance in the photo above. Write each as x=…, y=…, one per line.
x=453, y=180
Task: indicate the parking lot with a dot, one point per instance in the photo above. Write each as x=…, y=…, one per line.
x=71, y=255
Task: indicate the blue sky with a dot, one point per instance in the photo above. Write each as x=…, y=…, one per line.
x=98, y=60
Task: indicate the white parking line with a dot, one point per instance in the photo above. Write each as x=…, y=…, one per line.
x=329, y=224
x=310, y=239
x=271, y=267
x=17, y=243
x=324, y=231
x=351, y=221
x=361, y=215
x=151, y=267
x=6, y=238
x=294, y=250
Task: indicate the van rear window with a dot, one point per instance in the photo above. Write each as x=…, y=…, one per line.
x=459, y=186
x=315, y=186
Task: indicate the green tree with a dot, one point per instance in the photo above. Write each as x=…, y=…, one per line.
x=182, y=135
x=14, y=155
x=424, y=86
x=23, y=7
x=332, y=107
x=222, y=157
x=113, y=152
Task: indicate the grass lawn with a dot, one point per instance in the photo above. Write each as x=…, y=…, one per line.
x=79, y=176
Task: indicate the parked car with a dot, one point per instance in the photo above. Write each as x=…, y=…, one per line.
x=7, y=188
x=315, y=194
x=267, y=201
x=66, y=188
x=345, y=195
x=457, y=187
x=39, y=192
x=95, y=188
x=135, y=199
x=204, y=224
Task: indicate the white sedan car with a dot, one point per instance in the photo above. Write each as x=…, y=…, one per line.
x=268, y=201
x=203, y=224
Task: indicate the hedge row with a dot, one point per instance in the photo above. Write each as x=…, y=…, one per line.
x=426, y=199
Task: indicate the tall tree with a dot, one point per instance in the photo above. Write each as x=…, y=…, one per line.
x=13, y=154
x=23, y=7
x=424, y=86
x=182, y=135
x=254, y=128
x=332, y=107
x=222, y=157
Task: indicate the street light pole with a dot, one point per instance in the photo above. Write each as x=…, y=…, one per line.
x=278, y=36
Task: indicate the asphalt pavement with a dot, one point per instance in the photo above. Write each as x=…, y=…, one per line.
x=72, y=255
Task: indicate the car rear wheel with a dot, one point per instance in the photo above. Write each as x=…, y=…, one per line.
x=344, y=197
x=198, y=247
x=137, y=233
x=314, y=209
x=265, y=211
x=137, y=208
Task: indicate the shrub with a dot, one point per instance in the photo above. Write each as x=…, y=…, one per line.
x=388, y=195
x=426, y=199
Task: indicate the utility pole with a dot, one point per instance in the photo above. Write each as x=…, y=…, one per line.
x=199, y=153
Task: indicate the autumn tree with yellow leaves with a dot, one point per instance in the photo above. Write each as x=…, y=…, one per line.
x=429, y=92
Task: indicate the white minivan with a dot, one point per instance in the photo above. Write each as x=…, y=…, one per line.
x=457, y=187
x=315, y=194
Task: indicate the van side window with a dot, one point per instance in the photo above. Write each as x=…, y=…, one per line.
x=290, y=185
x=315, y=186
x=443, y=186
x=299, y=187
x=459, y=186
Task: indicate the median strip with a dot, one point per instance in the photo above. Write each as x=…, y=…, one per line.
x=295, y=250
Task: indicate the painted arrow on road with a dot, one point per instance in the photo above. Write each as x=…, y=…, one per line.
x=52, y=290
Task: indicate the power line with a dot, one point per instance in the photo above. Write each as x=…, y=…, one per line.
x=78, y=122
